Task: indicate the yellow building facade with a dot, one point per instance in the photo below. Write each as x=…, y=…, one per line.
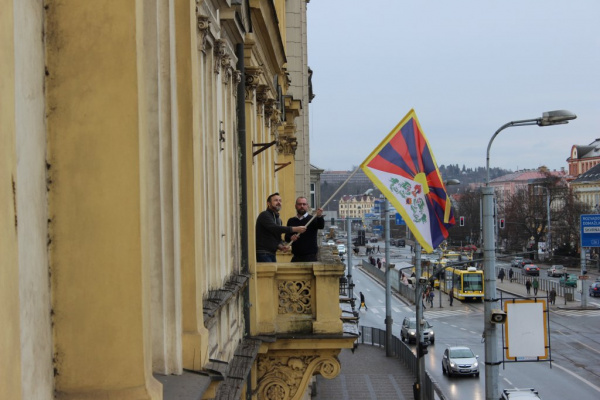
x=138, y=143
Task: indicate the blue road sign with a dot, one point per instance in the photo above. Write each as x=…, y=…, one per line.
x=590, y=230
x=399, y=220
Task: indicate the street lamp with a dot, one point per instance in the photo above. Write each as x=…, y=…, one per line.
x=548, y=234
x=489, y=257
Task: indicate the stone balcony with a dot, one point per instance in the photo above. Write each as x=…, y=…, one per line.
x=300, y=298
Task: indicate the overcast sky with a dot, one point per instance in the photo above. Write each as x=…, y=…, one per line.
x=467, y=67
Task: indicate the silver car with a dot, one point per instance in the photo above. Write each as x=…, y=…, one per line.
x=408, y=331
x=556, y=270
x=460, y=360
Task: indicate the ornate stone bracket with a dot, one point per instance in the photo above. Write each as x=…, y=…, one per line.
x=262, y=95
x=203, y=27
x=227, y=68
x=287, y=377
x=287, y=144
x=252, y=80
x=219, y=52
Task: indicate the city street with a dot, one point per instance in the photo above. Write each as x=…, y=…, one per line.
x=574, y=341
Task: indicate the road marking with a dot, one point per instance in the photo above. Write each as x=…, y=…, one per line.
x=578, y=377
x=381, y=301
x=375, y=311
x=395, y=309
x=589, y=347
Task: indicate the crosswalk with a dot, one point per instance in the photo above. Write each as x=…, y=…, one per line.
x=576, y=313
x=432, y=314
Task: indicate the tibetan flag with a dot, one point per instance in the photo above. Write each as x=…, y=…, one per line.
x=404, y=169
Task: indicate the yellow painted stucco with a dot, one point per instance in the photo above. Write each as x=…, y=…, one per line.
x=10, y=361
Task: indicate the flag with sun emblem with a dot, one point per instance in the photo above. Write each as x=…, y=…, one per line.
x=404, y=169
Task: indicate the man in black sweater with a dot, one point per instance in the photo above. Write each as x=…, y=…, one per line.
x=304, y=247
x=269, y=229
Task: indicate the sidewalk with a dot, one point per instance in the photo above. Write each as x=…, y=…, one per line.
x=367, y=374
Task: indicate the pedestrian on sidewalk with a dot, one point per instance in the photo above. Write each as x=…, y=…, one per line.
x=536, y=285
x=424, y=297
x=379, y=263
x=528, y=286
x=451, y=296
x=501, y=275
x=430, y=297
x=510, y=274
x=362, y=302
x=552, y=297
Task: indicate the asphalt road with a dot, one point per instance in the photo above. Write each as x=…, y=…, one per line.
x=574, y=340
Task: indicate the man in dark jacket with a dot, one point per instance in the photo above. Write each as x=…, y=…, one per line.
x=304, y=246
x=269, y=230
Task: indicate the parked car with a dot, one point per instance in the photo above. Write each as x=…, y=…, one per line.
x=568, y=280
x=408, y=331
x=521, y=394
x=594, y=289
x=556, y=270
x=516, y=262
x=400, y=243
x=330, y=243
x=531, y=269
x=341, y=249
x=460, y=360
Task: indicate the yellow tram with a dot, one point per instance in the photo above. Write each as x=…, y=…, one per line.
x=466, y=284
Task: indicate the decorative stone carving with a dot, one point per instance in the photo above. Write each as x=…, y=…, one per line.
x=269, y=108
x=252, y=80
x=227, y=68
x=219, y=52
x=295, y=297
x=203, y=27
x=262, y=94
x=287, y=377
x=287, y=144
x=237, y=77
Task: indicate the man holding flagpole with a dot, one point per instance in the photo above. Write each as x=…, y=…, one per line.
x=304, y=246
x=269, y=230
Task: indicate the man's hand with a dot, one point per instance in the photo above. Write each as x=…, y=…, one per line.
x=295, y=237
x=319, y=212
x=299, y=229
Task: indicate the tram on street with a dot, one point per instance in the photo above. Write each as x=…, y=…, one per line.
x=466, y=284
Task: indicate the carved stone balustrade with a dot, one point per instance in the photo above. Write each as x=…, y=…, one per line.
x=299, y=297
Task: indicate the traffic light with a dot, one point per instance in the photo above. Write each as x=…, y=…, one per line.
x=332, y=221
x=462, y=221
x=501, y=223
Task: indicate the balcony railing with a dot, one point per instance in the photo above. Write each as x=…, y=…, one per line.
x=300, y=297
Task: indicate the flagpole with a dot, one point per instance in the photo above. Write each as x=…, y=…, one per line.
x=328, y=200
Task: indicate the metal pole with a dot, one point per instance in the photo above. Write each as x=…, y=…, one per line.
x=583, y=281
x=548, y=234
x=419, y=316
x=349, y=252
x=388, y=284
x=489, y=259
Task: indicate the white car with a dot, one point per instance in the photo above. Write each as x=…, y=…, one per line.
x=341, y=249
x=330, y=243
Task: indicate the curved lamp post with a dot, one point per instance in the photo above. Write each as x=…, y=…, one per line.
x=489, y=258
